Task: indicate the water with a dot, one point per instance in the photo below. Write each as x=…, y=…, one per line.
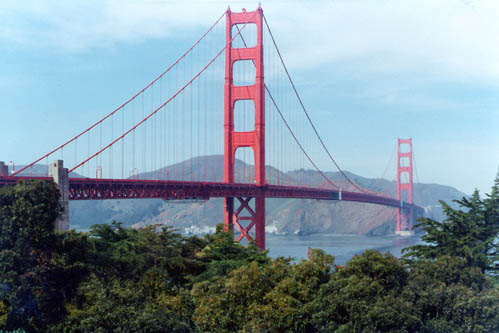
x=343, y=247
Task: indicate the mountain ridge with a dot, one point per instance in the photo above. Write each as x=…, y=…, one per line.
x=283, y=216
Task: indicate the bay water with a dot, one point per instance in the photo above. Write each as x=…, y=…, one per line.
x=342, y=247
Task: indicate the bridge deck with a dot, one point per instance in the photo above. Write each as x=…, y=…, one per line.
x=101, y=189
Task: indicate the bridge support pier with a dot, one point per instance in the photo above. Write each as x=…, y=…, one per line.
x=252, y=213
x=61, y=178
x=405, y=215
x=249, y=215
x=4, y=169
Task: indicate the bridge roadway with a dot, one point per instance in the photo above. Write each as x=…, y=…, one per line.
x=102, y=189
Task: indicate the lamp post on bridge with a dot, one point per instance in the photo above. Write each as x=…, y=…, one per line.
x=13, y=167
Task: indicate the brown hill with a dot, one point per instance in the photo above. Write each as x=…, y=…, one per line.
x=284, y=216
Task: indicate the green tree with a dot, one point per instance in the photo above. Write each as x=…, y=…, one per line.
x=262, y=297
x=127, y=253
x=153, y=279
x=288, y=306
x=29, y=271
x=364, y=297
x=448, y=295
x=470, y=232
x=117, y=305
x=221, y=255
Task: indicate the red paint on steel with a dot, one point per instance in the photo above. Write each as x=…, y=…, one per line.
x=255, y=138
x=405, y=215
x=280, y=151
x=103, y=189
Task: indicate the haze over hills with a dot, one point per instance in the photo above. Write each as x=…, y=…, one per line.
x=284, y=216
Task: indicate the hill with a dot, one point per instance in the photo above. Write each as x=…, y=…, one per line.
x=284, y=216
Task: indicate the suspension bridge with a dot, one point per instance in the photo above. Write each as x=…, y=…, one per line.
x=215, y=99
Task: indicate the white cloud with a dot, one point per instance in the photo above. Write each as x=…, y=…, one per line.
x=78, y=26
x=445, y=37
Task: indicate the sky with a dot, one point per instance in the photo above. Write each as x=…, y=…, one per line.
x=369, y=72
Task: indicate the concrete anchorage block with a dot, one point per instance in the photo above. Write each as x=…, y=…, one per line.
x=61, y=178
x=4, y=169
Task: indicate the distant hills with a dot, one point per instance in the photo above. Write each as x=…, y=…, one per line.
x=284, y=216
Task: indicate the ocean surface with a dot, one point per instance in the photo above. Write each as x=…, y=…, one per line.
x=342, y=247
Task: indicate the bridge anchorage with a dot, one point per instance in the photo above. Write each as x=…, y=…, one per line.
x=189, y=110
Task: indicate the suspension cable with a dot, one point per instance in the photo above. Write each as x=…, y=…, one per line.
x=415, y=166
x=161, y=106
x=287, y=125
x=392, y=155
x=125, y=103
x=306, y=113
x=298, y=142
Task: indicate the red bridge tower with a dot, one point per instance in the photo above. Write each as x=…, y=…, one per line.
x=249, y=213
x=405, y=215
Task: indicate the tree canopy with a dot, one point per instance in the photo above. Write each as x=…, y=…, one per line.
x=115, y=279
x=470, y=232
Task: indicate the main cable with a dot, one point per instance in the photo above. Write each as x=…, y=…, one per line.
x=392, y=155
x=298, y=142
x=161, y=106
x=126, y=103
x=287, y=125
x=306, y=113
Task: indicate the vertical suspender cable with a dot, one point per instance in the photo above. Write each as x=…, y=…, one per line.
x=306, y=113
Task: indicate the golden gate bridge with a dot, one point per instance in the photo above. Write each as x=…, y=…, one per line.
x=216, y=98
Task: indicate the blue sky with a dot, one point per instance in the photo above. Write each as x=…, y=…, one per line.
x=368, y=71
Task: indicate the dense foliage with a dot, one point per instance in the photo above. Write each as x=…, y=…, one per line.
x=153, y=279
x=470, y=233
